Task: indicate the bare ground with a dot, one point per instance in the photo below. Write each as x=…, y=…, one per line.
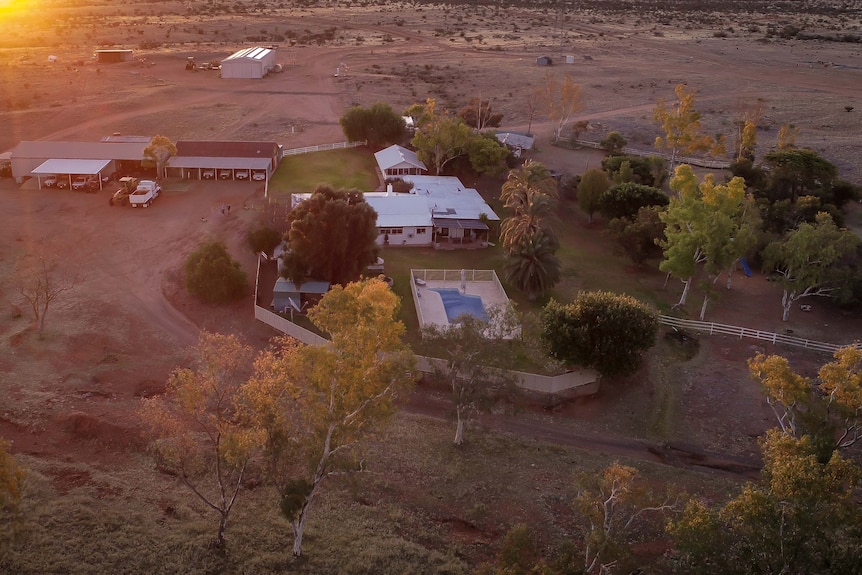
x=116, y=336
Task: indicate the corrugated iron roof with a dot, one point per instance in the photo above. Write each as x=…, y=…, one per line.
x=68, y=166
x=203, y=149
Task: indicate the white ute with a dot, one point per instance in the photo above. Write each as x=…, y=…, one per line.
x=146, y=192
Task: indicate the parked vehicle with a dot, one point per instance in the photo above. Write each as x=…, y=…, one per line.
x=50, y=181
x=224, y=174
x=144, y=194
x=204, y=66
x=258, y=176
x=85, y=182
x=208, y=174
x=121, y=196
x=241, y=174
x=62, y=181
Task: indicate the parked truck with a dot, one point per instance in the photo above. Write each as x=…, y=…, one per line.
x=145, y=193
x=127, y=187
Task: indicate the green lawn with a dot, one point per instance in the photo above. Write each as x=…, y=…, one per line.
x=351, y=168
x=589, y=259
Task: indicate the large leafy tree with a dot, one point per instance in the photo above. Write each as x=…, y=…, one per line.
x=798, y=172
x=616, y=511
x=561, y=100
x=594, y=182
x=532, y=264
x=806, y=259
x=800, y=519
x=624, y=200
x=472, y=355
x=680, y=124
x=639, y=237
x=380, y=125
x=487, y=155
x=706, y=223
x=158, y=152
x=314, y=406
x=828, y=410
x=213, y=275
x=199, y=437
x=332, y=237
x=440, y=137
x=649, y=171
x=605, y=331
x=479, y=115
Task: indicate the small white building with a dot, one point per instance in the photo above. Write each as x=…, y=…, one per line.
x=399, y=161
x=249, y=63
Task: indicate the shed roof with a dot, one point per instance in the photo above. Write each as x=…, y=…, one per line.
x=67, y=166
x=516, y=140
x=80, y=150
x=284, y=285
x=255, y=53
x=397, y=156
x=226, y=149
x=219, y=162
x=130, y=139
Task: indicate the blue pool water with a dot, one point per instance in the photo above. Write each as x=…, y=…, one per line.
x=457, y=304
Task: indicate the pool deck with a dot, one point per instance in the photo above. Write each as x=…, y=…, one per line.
x=429, y=304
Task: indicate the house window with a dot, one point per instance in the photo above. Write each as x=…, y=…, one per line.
x=384, y=231
x=396, y=231
x=420, y=231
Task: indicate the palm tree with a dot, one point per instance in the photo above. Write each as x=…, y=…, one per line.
x=537, y=217
x=531, y=193
x=532, y=265
x=524, y=183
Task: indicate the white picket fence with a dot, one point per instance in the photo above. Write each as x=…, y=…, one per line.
x=322, y=147
x=719, y=328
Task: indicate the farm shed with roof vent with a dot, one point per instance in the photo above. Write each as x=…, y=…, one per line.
x=249, y=63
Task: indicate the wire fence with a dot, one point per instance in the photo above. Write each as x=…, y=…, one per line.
x=713, y=163
x=776, y=338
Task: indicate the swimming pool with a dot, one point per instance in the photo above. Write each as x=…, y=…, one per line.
x=456, y=303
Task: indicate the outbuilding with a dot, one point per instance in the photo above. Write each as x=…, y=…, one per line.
x=249, y=63
x=202, y=160
x=544, y=61
x=287, y=297
x=29, y=155
x=399, y=161
x=112, y=56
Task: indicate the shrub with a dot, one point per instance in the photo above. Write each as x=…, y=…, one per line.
x=605, y=331
x=213, y=276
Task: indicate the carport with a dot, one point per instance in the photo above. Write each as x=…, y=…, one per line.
x=70, y=167
x=193, y=167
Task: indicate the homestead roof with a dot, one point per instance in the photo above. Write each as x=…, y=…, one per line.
x=448, y=198
x=80, y=150
x=255, y=53
x=398, y=156
x=226, y=149
x=398, y=210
